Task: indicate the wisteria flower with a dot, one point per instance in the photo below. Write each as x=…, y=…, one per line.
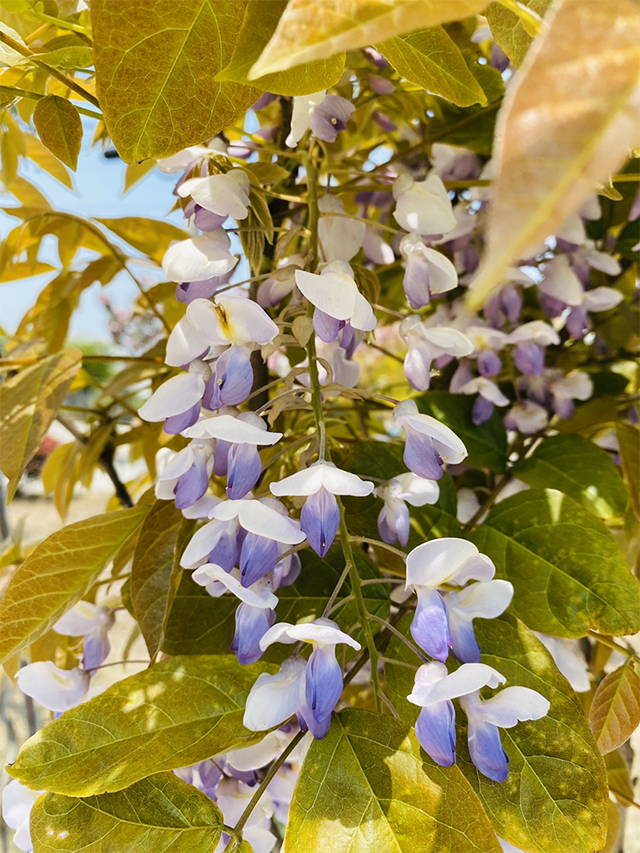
x=303, y=107
x=320, y=516
x=486, y=600
x=184, y=476
x=335, y=293
x=526, y=417
x=183, y=160
x=569, y=659
x=340, y=238
x=53, y=688
x=177, y=401
x=429, y=444
x=199, y=258
x=423, y=206
x=489, y=395
x=330, y=117
x=393, y=521
x=309, y=689
x=424, y=344
x=17, y=802
x=231, y=319
x=427, y=271
x=531, y=339
x=225, y=195
x=92, y=622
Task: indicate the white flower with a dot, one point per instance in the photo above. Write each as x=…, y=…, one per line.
x=275, y=698
x=537, y=332
x=429, y=444
x=92, y=622
x=423, y=206
x=335, y=293
x=569, y=660
x=231, y=320
x=217, y=581
x=526, y=417
x=447, y=560
x=199, y=258
x=261, y=518
x=226, y=194
x=340, y=238
x=17, y=802
x=322, y=475
x=184, y=344
x=53, y=688
x=241, y=428
x=178, y=394
x=561, y=282
x=425, y=344
x=303, y=107
x=486, y=388
x=183, y=159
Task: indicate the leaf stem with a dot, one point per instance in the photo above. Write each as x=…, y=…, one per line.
x=606, y=641
x=36, y=96
x=379, y=544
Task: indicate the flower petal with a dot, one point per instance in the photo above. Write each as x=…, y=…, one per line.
x=199, y=257
x=173, y=397
x=184, y=344
x=275, y=698
x=332, y=292
x=436, y=731
x=54, y=688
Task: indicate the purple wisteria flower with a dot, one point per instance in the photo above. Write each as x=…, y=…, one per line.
x=429, y=444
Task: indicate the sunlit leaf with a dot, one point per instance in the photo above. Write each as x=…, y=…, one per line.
x=57, y=574
x=29, y=401
x=579, y=468
x=615, y=711
x=151, y=236
x=155, y=66
x=566, y=124
x=158, y=813
x=9, y=56
x=260, y=21
x=431, y=59
x=368, y=788
x=317, y=29
x=629, y=441
x=60, y=128
x=508, y=29
x=568, y=574
x=155, y=573
x=68, y=58
x=619, y=776
x=37, y=152
x=178, y=712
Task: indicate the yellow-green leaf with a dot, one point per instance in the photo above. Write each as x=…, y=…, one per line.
x=9, y=56
x=57, y=574
x=317, y=29
x=37, y=152
x=368, y=788
x=178, y=712
x=431, y=59
x=155, y=573
x=615, y=711
x=59, y=127
x=161, y=813
x=29, y=401
x=260, y=21
x=566, y=124
x=508, y=29
x=151, y=236
x=68, y=58
x=155, y=66
x=629, y=441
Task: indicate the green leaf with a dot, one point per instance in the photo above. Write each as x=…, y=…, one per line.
x=58, y=573
x=29, y=402
x=260, y=21
x=37, y=152
x=555, y=798
x=158, y=813
x=629, y=441
x=9, y=56
x=68, y=58
x=368, y=788
x=200, y=624
x=317, y=29
x=266, y=173
x=620, y=782
x=150, y=236
x=155, y=572
x=431, y=59
x=508, y=30
x=548, y=154
x=178, y=712
x=59, y=127
x=615, y=710
x=568, y=574
x=576, y=466
x=487, y=443
x=258, y=217
x=155, y=66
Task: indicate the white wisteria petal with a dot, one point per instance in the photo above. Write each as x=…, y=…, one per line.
x=537, y=331
x=486, y=388
x=17, y=801
x=376, y=248
x=340, y=238
x=484, y=337
x=184, y=344
x=204, y=541
x=303, y=107
x=447, y=560
x=258, y=594
x=275, y=698
x=260, y=754
x=576, y=385
x=480, y=600
x=54, y=688
x=320, y=632
x=201, y=508
x=179, y=465
x=199, y=258
x=423, y=206
x=322, y=475
x=442, y=273
x=173, y=397
x=447, y=340
x=527, y=417
x=603, y=262
x=446, y=442
x=511, y=706
x=260, y=838
x=602, y=299
x=226, y=195
x=182, y=160
x=416, y=490
x=248, y=428
x=362, y=317
x=83, y=617
x=231, y=320
x=331, y=292
x=572, y=230
x=569, y=660
x=561, y=282
x=433, y=684
x=259, y=518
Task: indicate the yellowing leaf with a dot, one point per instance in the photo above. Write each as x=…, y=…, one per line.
x=317, y=29
x=431, y=59
x=60, y=128
x=260, y=21
x=158, y=813
x=566, y=125
x=9, y=56
x=57, y=574
x=509, y=30
x=615, y=711
x=178, y=712
x=37, y=152
x=155, y=573
x=151, y=236
x=155, y=65
x=367, y=786
x=68, y=58
x=29, y=401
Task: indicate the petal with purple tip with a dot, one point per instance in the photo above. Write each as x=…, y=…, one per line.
x=436, y=732
x=319, y=519
x=430, y=626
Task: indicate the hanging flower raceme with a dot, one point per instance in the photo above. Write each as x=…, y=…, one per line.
x=433, y=691
x=184, y=476
x=309, y=689
x=393, y=521
x=427, y=343
x=423, y=206
x=320, y=516
x=429, y=444
x=427, y=271
x=335, y=293
x=238, y=437
x=436, y=627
